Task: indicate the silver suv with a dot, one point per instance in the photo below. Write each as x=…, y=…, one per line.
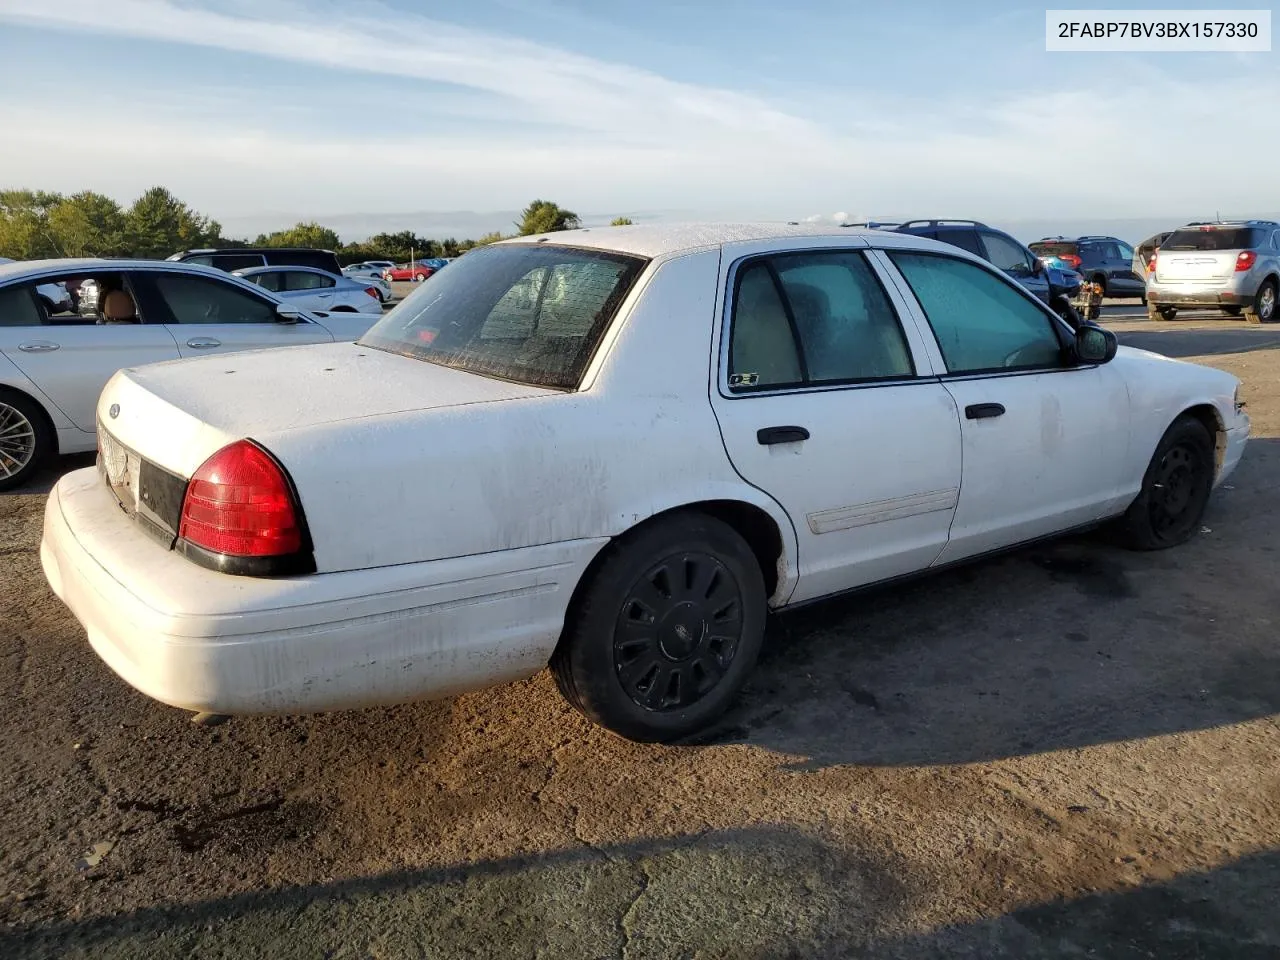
x=1232, y=266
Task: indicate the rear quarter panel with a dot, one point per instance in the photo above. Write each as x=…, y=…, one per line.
x=639, y=440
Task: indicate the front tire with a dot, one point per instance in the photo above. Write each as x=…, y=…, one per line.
x=1175, y=489
x=663, y=636
x=26, y=440
x=1263, y=307
x=419, y=277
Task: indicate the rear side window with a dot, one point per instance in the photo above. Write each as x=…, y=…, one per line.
x=980, y=321
x=1213, y=238
x=523, y=312
x=302, y=280
x=813, y=318
x=18, y=308
x=272, y=280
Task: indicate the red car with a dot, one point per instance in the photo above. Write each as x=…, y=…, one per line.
x=408, y=271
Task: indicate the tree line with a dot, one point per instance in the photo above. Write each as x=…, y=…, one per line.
x=35, y=224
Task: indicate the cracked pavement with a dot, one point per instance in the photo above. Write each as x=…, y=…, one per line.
x=1065, y=750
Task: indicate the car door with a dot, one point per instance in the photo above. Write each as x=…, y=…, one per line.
x=1129, y=279
x=827, y=402
x=1045, y=440
x=70, y=356
x=207, y=314
x=1005, y=254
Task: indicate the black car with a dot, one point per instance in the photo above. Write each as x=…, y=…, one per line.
x=1107, y=261
x=241, y=258
x=998, y=248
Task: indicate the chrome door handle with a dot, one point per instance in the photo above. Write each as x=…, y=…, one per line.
x=38, y=346
x=203, y=343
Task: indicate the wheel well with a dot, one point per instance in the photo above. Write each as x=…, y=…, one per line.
x=41, y=411
x=1208, y=415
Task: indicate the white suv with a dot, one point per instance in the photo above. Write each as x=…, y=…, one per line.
x=1233, y=266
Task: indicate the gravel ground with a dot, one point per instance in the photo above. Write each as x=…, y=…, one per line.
x=1069, y=751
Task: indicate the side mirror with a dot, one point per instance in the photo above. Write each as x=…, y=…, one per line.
x=1038, y=267
x=1095, y=344
x=286, y=313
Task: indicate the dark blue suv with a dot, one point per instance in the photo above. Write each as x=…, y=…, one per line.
x=1053, y=285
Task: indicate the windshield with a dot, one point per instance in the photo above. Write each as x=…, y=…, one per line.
x=524, y=312
x=1213, y=238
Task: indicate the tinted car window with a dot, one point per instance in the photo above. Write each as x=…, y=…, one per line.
x=980, y=321
x=18, y=308
x=227, y=261
x=1005, y=254
x=1049, y=248
x=302, y=280
x=205, y=300
x=1214, y=238
x=272, y=280
x=964, y=239
x=319, y=259
x=532, y=314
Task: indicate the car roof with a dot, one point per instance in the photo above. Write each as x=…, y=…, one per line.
x=668, y=239
x=38, y=269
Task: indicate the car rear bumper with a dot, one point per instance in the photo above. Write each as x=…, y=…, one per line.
x=1219, y=293
x=200, y=640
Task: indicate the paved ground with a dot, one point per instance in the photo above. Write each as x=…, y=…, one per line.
x=1067, y=752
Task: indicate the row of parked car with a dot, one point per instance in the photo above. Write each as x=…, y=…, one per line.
x=1227, y=265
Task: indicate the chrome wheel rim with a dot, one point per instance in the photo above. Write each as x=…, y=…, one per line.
x=17, y=440
x=1267, y=303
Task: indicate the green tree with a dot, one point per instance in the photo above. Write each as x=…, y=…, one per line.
x=621, y=222
x=301, y=235
x=159, y=224
x=88, y=224
x=24, y=224
x=543, y=216
x=490, y=238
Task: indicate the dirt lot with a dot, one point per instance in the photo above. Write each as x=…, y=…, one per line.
x=1070, y=751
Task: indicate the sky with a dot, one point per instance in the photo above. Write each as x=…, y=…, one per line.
x=386, y=113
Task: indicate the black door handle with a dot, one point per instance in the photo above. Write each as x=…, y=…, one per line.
x=981, y=411
x=771, y=435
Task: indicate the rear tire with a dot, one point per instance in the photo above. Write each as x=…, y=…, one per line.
x=26, y=439
x=1263, y=307
x=662, y=637
x=1175, y=489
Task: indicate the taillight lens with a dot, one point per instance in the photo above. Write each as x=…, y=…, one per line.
x=1072, y=260
x=1151, y=263
x=1246, y=260
x=239, y=504
x=373, y=292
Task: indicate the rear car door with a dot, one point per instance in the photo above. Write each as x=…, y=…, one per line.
x=827, y=402
x=206, y=314
x=69, y=352
x=1045, y=440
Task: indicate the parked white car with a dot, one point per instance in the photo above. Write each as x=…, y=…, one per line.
x=317, y=290
x=54, y=361
x=614, y=452
x=371, y=273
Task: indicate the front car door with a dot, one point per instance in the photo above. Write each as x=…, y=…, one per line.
x=827, y=401
x=70, y=350
x=1045, y=439
x=207, y=314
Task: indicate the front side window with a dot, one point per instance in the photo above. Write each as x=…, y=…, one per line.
x=271, y=280
x=811, y=319
x=1006, y=255
x=192, y=299
x=962, y=238
x=305, y=280
x=980, y=321
x=532, y=313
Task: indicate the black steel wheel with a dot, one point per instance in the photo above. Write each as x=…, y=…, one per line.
x=1175, y=489
x=662, y=636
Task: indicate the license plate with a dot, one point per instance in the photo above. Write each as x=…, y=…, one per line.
x=122, y=468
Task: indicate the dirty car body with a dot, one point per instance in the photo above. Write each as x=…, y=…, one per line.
x=611, y=450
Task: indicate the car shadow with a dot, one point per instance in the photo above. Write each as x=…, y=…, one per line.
x=1202, y=342
x=1060, y=645
x=750, y=894
x=44, y=479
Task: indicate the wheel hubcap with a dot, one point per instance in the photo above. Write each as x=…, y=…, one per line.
x=17, y=440
x=1175, y=490
x=1267, y=303
x=677, y=631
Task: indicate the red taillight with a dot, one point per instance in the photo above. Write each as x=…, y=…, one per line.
x=239, y=504
x=1246, y=260
x=1151, y=264
x=373, y=292
x=1071, y=260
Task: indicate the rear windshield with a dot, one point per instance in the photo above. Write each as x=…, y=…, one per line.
x=531, y=314
x=1214, y=238
x=1045, y=249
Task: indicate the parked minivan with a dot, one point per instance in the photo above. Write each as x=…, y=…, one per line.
x=241, y=258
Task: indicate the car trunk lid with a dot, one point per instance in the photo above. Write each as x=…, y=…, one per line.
x=1194, y=265
x=177, y=414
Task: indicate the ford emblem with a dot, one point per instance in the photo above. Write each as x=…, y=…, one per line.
x=114, y=411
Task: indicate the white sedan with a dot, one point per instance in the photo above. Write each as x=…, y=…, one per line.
x=613, y=451
x=55, y=358
x=309, y=288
